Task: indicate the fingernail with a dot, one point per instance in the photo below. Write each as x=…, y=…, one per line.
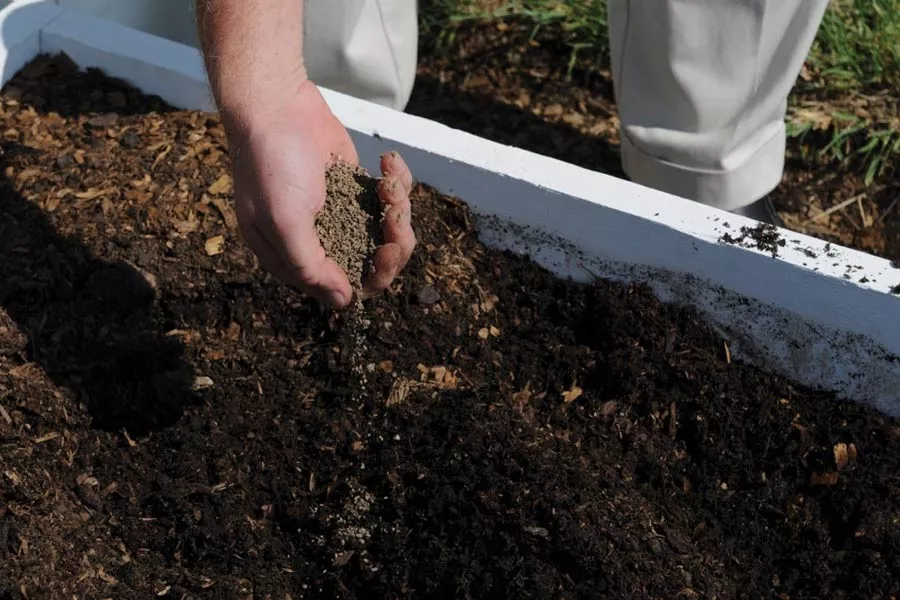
x=337, y=299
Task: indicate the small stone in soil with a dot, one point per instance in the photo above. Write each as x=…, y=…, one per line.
x=428, y=296
x=130, y=139
x=349, y=226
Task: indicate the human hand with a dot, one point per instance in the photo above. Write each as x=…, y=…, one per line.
x=279, y=188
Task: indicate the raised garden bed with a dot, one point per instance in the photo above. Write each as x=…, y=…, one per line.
x=177, y=424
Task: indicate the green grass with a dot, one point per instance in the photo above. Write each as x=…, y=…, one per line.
x=856, y=52
x=858, y=45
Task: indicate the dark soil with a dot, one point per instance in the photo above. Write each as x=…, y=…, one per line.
x=349, y=226
x=762, y=237
x=177, y=424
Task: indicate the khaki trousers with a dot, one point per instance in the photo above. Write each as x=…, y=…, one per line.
x=701, y=85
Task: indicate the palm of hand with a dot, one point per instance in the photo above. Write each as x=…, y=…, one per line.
x=279, y=175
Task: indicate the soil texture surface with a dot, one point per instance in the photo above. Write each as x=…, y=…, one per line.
x=175, y=423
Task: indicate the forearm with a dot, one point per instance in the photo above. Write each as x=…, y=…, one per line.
x=253, y=51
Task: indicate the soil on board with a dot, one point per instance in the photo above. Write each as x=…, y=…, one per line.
x=349, y=226
x=174, y=423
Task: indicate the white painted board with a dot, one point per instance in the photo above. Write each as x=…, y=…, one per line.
x=821, y=314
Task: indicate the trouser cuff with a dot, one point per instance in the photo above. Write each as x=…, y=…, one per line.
x=726, y=189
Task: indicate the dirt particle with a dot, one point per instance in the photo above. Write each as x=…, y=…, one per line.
x=130, y=139
x=763, y=237
x=103, y=121
x=428, y=296
x=89, y=496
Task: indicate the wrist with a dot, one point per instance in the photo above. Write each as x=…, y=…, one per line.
x=247, y=106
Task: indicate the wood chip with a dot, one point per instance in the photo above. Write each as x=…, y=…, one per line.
x=86, y=479
x=130, y=441
x=215, y=245
x=5, y=415
x=214, y=354
x=824, y=479
x=399, y=392
x=93, y=193
x=494, y=331
x=228, y=214
x=522, y=398
x=573, y=394
x=186, y=226
x=489, y=304
x=201, y=383
x=221, y=185
x=233, y=332
x=46, y=438
x=106, y=577
x=484, y=333
x=843, y=454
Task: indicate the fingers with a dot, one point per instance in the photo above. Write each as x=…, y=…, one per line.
x=386, y=263
x=394, y=192
x=393, y=165
x=299, y=260
x=400, y=239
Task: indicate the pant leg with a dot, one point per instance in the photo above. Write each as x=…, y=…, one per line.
x=363, y=48
x=702, y=89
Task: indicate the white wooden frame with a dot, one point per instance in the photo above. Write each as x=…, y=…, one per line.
x=821, y=314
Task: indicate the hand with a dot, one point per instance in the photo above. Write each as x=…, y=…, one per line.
x=279, y=186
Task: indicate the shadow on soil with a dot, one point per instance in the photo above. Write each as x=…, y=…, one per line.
x=90, y=323
x=486, y=116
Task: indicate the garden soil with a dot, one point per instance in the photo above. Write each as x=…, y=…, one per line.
x=175, y=423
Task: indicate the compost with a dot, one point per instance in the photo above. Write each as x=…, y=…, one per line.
x=175, y=423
